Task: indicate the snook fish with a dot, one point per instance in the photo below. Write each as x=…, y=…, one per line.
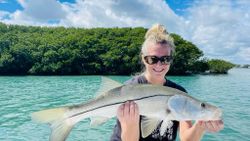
x=156, y=104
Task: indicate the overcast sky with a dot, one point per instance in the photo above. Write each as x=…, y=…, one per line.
x=220, y=28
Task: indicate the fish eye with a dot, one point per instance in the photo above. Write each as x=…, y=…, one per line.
x=203, y=105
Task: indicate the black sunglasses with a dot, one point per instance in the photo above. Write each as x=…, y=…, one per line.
x=154, y=59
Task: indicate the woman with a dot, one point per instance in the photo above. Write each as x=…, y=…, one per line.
x=157, y=51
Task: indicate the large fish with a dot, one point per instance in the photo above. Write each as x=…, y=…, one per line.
x=156, y=104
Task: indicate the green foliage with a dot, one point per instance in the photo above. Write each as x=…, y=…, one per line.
x=186, y=57
x=219, y=66
x=199, y=66
x=73, y=51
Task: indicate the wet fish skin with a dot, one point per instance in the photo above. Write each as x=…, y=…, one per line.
x=155, y=102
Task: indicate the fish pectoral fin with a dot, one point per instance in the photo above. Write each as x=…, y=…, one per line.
x=106, y=85
x=166, y=124
x=97, y=121
x=148, y=125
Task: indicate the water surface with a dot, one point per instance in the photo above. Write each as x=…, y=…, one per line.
x=20, y=96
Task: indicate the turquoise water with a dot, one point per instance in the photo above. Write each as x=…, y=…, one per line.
x=20, y=96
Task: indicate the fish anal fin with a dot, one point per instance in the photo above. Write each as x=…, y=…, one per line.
x=148, y=125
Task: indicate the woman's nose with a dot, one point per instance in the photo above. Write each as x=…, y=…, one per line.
x=158, y=63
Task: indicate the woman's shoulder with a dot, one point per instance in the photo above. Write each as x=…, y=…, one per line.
x=172, y=84
x=138, y=79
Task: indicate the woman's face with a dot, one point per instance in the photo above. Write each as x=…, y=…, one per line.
x=157, y=70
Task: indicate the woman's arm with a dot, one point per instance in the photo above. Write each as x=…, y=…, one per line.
x=189, y=132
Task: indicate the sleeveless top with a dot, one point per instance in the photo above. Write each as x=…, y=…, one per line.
x=169, y=135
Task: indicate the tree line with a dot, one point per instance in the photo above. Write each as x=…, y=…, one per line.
x=30, y=50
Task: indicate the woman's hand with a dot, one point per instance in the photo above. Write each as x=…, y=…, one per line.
x=194, y=132
x=212, y=126
x=128, y=115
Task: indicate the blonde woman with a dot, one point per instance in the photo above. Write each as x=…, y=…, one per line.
x=156, y=55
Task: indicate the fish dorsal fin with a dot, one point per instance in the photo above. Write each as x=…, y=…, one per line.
x=106, y=85
x=166, y=124
x=148, y=125
x=97, y=121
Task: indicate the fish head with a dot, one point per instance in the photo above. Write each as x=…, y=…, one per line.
x=188, y=108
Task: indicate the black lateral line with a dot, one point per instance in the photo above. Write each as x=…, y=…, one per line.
x=77, y=114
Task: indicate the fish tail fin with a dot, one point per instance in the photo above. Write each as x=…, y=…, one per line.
x=60, y=124
x=50, y=115
x=61, y=130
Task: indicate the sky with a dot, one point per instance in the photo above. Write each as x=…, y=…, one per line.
x=220, y=28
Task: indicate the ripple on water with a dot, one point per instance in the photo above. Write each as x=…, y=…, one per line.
x=20, y=96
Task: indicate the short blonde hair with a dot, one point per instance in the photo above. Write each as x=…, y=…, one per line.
x=157, y=34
